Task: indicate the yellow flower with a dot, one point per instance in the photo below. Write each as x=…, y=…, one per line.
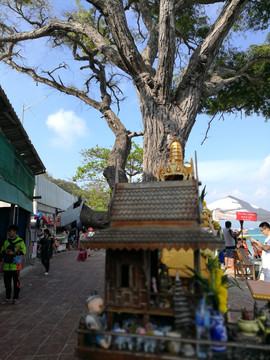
x=222, y=298
x=222, y=293
x=223, y=308
x=217, y=279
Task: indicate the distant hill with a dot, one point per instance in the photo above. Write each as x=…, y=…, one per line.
x=68, y=186
x=95, y=196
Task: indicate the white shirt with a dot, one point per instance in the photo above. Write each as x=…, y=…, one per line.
x=266, y=255
x=229, y=240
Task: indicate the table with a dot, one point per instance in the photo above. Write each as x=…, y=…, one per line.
x=260, y=290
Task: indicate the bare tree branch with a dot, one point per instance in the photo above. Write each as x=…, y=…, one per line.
x=203, y=57
x=114, y=14
x=166, y=47
x=52, y=28
x=223, y=76
x=65, y=89
x=212, y=87
x=8, y=53
x=208, y=127
x=180, y=4
x=135, y=134
x=149, y=53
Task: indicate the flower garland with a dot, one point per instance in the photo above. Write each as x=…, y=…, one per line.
x=215, y=288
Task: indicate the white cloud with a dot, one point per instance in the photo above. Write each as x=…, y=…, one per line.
x=225, y=170
x=263, y=173
x=245, y=179
x=67, y=128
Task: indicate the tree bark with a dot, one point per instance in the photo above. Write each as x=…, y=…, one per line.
x=95, y=219
x=160, y=122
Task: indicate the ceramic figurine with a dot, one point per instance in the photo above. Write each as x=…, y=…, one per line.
x=151, y=344
x=119, y=341
x=140, y=340
x=93, y=319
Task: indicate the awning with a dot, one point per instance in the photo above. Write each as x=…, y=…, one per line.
x=10, y=194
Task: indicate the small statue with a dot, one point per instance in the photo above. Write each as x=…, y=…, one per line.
x=154, y=284
x=93, y=319
x=164, y=279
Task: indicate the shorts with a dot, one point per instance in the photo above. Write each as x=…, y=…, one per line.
x=229, y=252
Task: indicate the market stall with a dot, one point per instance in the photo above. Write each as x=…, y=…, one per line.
x=61, y=241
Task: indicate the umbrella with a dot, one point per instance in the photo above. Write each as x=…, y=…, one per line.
x=226, y=208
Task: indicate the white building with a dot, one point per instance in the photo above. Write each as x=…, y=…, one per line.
x=50, y=198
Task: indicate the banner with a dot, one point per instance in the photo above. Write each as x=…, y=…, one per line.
x=248, y=216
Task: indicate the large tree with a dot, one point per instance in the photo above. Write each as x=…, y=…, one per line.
x=180, y=60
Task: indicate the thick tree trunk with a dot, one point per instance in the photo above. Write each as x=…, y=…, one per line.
x=95, y=219
x=118, y=155
x=160, y=123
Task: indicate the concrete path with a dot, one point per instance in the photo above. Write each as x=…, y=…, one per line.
x=42, y=326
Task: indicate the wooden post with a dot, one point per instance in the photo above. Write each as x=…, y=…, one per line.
x=197, y=266
x=197, y=260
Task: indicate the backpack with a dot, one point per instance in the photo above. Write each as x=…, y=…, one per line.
x=9, y=259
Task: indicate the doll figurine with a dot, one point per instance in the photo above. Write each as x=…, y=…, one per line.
x=93, y=319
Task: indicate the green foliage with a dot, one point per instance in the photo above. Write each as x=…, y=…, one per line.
x=97, y=196
x=256, y=15
x=94, y=161
x=68, y=186
x=250, y=92
x=90, y=173
x=92, y=17
x=134, y=166
x=203, y=194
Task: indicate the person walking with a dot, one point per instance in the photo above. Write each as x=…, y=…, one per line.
x=12, y=251
x=265, y=248
x=45, y=245
x=230, y=244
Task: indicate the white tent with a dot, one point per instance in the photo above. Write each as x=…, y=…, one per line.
x=226, y=208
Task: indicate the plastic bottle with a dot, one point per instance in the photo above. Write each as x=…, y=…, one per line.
x=202, y=328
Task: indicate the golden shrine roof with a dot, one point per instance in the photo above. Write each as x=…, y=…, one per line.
x=176, y=169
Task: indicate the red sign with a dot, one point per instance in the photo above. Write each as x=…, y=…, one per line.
x=243, y=215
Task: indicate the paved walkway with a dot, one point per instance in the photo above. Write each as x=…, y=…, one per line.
x=42, y=326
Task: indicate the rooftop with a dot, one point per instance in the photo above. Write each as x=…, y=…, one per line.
x=14, y=132
x=155, y=215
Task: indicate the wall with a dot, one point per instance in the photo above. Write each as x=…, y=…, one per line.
x=52, y=197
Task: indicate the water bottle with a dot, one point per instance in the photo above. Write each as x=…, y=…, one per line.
x=202, y=328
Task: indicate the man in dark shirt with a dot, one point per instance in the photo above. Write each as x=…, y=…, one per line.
x=45, y=250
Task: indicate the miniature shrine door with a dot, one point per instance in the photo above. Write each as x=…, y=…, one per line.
x=125, y=279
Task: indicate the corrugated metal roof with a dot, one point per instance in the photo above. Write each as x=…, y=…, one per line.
x=163, y=201
x=14, y=131
x=52, y=195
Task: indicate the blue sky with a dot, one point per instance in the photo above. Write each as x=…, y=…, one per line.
x=234, y=160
